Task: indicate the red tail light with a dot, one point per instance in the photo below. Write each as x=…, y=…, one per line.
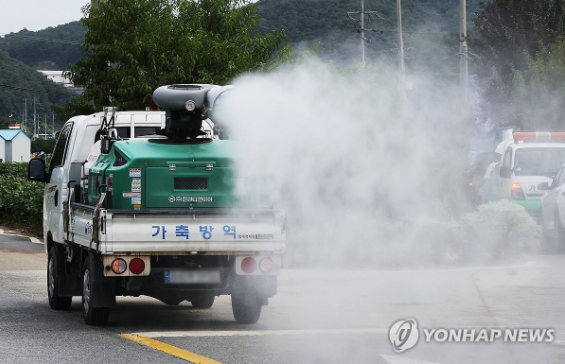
x=137, y=265
x=109, y=182
x=248, y=265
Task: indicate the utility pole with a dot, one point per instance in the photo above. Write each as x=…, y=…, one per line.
x=362, y=32
x=464, y=51
x=362, y=29
x=34, y=119
x=25, y=112
x=401, y=65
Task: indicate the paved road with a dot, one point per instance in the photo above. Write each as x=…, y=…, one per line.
x=317, y=317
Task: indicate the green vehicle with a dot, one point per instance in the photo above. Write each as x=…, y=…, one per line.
x=156, y=215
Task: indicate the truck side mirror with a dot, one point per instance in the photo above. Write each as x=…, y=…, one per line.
x=505, y=172
x=544, y=186
x=36, y=170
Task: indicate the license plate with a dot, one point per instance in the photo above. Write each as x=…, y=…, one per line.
x=192, y=277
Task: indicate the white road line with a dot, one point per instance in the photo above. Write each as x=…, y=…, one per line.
x=35, y=240
x=404, y=360
x=156, y=334
x=31, y=238
x=218, y=333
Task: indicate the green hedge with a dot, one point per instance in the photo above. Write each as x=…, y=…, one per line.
x=21, y=200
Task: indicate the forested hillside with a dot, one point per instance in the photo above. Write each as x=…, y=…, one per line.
x=430, y=26
x=305, y=20
x=49, y=49
x=18, y=82
x=25, y=52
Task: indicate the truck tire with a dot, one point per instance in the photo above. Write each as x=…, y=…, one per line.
x=203, y=301
x=246, y=308
x=56, y=302
x=92, y=315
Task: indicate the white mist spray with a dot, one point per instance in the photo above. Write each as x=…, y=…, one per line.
x=346, y=161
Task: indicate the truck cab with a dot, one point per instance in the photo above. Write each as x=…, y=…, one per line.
x=72, y=153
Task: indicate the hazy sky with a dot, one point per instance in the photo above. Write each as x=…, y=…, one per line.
x=38, y=14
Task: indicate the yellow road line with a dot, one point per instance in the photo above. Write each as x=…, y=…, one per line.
x=169, y=349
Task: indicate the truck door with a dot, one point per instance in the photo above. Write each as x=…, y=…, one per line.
x=56, y=188
x=506, y=182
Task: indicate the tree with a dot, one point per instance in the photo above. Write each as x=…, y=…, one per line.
x=539, y=89
x=132, y=47
x=77, y=106
x=43, y=146
x=18, y=81
x=4, y=123
x=507, y=30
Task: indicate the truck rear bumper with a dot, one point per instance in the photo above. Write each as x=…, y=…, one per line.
x=177, y=248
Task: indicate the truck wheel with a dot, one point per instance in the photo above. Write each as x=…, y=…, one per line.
x=56, y=302
x=91, y=315
x=203, y=301
x=246, y=309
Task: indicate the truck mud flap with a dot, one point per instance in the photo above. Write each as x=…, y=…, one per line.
x=69, y=282
x=259, y=286
x=104, y=288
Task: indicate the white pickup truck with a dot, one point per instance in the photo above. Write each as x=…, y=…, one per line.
x=155, y=215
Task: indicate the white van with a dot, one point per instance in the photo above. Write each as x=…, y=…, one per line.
x=526, y=160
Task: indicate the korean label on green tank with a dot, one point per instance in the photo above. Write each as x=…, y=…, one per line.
x=135, y=172
x=136, y=185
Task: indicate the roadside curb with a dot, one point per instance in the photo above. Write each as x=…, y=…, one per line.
x=31, y=238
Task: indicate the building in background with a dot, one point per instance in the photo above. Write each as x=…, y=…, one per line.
x=60, y=78
x=15, y=146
